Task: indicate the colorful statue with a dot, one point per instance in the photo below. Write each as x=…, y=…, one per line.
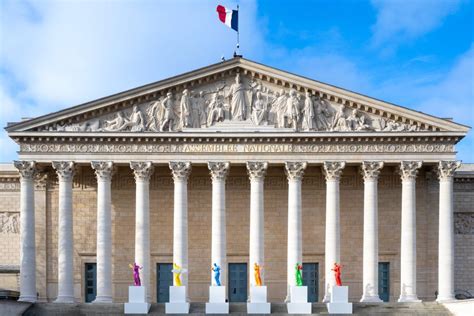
x=136, y=273
x=177, y=271
x=299, y=277
x=257, y=268
x=337, y=273
x=217, y=273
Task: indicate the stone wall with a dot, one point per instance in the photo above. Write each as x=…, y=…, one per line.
x=237, y=200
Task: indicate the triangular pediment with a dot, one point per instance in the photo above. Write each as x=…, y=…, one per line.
x=233, y=96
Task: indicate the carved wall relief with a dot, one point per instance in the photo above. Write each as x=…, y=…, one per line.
x=464, y=223
x=237, y=98
x=9, y=223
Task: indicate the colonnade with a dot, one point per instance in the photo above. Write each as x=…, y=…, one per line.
x=219, y=170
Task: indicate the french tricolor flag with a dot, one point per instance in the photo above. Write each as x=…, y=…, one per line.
x=229, y=17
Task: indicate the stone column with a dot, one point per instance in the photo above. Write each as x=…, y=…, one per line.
x=219, y=171
x=65, y=172
x=142, y=171
x=180, y=171
x=408, y=172
x=27, y=171
x=370, y=283
x=446, y=171
x=294, y=173
x=332, y=171
x=256, y=171
x=103, y=172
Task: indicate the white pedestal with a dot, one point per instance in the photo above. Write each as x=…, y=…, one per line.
x=137, y=303
x=299, y=300
x=177, y=303
x=258, y=301
x=217, y=303
x=339, y=303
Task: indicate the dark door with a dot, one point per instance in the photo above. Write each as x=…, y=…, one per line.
x=90, y=282
x=384, y=281
x=237, y=282
x=164, y=279
x=311, y=280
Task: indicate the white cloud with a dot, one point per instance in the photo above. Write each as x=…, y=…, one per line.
x=61, y=53
x=399, y=20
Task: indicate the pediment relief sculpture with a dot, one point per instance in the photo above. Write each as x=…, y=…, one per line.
x=237, y=99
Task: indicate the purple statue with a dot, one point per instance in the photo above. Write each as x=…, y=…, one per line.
x=136, y=273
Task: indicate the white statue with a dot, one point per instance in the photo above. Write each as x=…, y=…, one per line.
x=196, y=112
x=308, y=113
x=259, y=110
x=136, y=121
x=117, y=124
x=280, y=108
x=339, y=122
x=168, y=113
x=322, y=115
x=239, y=100
x=186, y=109
x=216, y=110
x=292, y=112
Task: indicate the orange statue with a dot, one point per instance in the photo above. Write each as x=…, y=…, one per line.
x=257, y=268
x=337, y=273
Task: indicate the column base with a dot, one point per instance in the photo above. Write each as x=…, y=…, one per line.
x=409, y=299
x=64, y=299
x=27, y=298
x=444, y=299
x=371, y=299
x=102, y=299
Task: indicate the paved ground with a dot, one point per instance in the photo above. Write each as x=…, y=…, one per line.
x=40, y=309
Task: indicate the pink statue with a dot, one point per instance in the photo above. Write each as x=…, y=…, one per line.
x=337, y=273
x=136, y=273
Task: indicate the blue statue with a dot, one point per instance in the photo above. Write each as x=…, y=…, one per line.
x=217, y=273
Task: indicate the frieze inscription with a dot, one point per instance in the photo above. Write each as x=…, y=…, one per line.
x=236, y=148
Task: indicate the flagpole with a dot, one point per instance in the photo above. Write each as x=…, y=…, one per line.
x=238, y=43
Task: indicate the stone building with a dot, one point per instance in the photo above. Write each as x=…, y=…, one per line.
x=236, y=163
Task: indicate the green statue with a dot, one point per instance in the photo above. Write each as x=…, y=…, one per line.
x=299, y=277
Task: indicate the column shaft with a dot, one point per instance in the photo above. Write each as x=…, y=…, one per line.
x=65, y=171
x=103, y=172
x=27, y=171
x=408, y=233
x=446, y=171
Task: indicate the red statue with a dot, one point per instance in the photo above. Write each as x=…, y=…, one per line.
x=337, y=273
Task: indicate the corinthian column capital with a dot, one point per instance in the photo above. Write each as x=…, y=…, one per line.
x=180, y=169
x=27, y=169
x=446, y=169
x=332, y=170
x=371, y=169
x=104, y=170
x=256, y=169
x=142, y=169
x=64, y=169
x=219, y=169
x=295, y=170
x=409, y=169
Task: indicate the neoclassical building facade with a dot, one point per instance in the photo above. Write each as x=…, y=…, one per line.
x=236, y=163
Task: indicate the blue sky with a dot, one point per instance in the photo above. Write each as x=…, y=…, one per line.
x=415, y=53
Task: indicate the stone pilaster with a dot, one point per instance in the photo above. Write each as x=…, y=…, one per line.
x=446, y=171
x=294, y=173
x=408, y=171
x=219, y=172
x=104, y=171
x=370, y=172
x=142, y=171
x=332, y=170
x=65, y=171
x=180, y=171
x=27, y=171
x=256, y=171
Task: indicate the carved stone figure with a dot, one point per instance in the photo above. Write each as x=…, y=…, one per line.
x=9, y=223
x=136, y=121
x=322, y=115
x=168, y=113
x=115, y=125
x=195, y=112
x=216, y=110
x=201, y=105
x=279, y=108
x=308, y=113
x=339, y=122
x=259, y=110
x=238, y=102
x=186, y=109
x=292, y=113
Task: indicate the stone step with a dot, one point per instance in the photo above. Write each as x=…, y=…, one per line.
x=402, y=309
